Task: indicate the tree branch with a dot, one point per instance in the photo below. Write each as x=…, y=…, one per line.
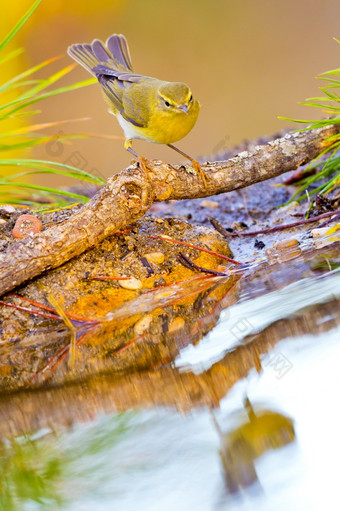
x=128, y=195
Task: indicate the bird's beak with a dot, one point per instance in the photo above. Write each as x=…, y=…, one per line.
x=184, y=108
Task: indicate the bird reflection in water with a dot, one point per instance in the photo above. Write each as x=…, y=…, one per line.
x=263, y=431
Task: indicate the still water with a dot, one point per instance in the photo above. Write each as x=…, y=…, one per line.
x=155, y=458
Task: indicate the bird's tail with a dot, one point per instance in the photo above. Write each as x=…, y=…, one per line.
x=114, y=54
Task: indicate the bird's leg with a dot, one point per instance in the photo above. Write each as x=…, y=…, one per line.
x=197, y=167
x=131, y=151
x=143, y=162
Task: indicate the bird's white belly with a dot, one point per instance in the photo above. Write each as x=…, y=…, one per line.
x=130, y=131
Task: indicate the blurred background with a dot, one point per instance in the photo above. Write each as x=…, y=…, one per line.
x=247, y=62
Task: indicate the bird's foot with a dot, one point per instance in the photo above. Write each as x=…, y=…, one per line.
x=196, y=167
x=145, y=166
x=142, y=162
x=199, y=172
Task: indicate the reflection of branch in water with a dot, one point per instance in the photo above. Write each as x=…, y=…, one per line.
x=144, y=332
x=27, y=411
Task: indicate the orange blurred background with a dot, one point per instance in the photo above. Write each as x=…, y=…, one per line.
x=246, y=61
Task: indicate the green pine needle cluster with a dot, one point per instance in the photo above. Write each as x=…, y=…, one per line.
x=326, y=177
x=27, y=90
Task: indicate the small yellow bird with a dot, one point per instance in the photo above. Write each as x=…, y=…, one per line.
x=145, y=107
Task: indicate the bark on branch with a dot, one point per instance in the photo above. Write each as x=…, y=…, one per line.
x=128, y=195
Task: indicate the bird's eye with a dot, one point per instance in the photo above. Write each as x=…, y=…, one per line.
x=191, y=98
x=166, y=103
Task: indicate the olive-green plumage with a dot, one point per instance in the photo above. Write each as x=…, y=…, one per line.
x=146, y=108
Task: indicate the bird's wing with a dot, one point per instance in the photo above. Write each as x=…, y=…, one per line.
x=111, y=64
x=129, y=105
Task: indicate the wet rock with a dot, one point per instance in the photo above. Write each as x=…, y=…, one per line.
x=284, y=250
x=155, y=257
x=259, y=244
x=122, y=325
x=132, y=283
x=209, y=204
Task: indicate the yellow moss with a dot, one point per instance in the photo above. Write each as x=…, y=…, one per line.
x=177, y=324
x=99, y=304
x=108, y=299
x=6, y=370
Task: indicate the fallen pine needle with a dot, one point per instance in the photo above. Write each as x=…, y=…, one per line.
x=165, y=238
